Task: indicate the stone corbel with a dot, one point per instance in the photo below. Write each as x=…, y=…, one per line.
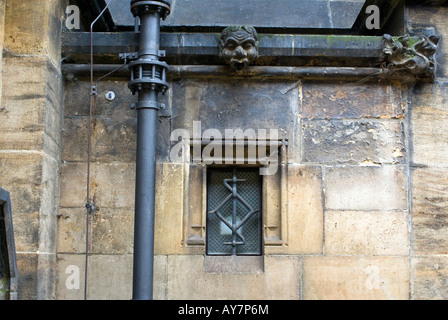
x=408, y=55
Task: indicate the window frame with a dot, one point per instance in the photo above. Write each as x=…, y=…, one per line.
x=8, y=245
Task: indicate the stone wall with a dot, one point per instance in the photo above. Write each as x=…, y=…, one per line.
x=345, y=226
x=112, y=189
x=428, y=167
x=30, y=141
x=362, y=211
x=345, y=229
x=357, y=209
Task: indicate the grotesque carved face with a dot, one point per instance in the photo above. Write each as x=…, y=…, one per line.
x=239, y=46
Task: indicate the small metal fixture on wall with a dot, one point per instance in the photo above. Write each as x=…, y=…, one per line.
x=239, y=46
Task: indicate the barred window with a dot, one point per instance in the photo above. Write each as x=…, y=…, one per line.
x=234, y=218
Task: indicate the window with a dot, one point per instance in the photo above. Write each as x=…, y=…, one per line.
x=234, y=218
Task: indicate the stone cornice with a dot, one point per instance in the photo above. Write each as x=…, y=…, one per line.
x=406, y=57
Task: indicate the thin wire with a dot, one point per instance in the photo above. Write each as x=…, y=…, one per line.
x=115, y=70
x=93, y=95
x=91, y=40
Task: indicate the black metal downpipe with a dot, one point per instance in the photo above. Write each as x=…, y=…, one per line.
x=148, y=79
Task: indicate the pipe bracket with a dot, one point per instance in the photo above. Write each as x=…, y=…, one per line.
x=149, y=105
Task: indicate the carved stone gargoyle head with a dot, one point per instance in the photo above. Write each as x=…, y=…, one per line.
x=239, y=46
x=411, y=54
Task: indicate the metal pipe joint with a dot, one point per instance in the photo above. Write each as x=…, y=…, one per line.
x=148, y=73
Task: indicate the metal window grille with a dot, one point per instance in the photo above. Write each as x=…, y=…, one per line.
x=234, y=211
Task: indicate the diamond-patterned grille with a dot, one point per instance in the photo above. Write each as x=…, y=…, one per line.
x=234, y=212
